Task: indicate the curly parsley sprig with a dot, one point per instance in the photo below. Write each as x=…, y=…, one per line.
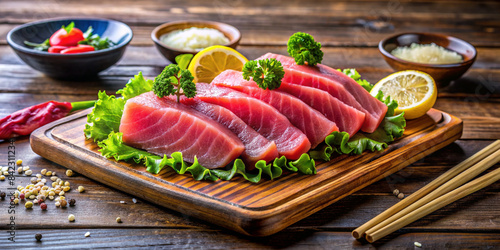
x=303, y=48
x=266, y=73
x=172, y=80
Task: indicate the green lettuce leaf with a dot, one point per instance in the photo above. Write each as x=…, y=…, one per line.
x=391, y=127
x=352, y=73
x=113, y=147
x=136, y=86
x=105, y=117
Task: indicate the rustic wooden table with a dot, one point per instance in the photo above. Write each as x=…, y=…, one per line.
x=349, y=32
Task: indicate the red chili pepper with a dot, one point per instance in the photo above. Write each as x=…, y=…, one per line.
x=25, y=121
x=66, y=36
x=57, y=49
x=80, y=49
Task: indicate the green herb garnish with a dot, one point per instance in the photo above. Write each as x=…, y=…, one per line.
x=39, y=46
x=69, y=27
x=95, y=40
x=172, y=80
x=266, y=73
x=303, y=48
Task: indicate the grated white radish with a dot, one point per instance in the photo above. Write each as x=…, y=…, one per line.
x=427, y=53
x=194, y=38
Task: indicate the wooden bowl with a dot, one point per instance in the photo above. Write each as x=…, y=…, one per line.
x=232, y=33
x=442, y=73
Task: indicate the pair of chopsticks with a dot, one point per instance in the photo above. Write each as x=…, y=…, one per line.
x=444, y=190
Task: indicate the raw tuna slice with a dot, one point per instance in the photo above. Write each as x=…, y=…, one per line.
x=265, y=119
x=347, y=118
x=162, y=126
x=311, y=122
x=342, y=88
x=257, y=147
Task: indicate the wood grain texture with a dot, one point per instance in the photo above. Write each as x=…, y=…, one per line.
x=346, y=29
x=214, y=239
x=248, y=208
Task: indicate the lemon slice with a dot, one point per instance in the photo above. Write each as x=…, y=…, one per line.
x=415, y=92
x=211, y=61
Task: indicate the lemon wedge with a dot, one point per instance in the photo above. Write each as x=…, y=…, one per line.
x=211, y=61
x=415, y=92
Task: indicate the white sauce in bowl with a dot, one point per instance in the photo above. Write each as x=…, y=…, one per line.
x=194, y=38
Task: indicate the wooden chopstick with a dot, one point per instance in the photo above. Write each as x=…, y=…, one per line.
x=436, y=204
x=455, y=182
x=409, y=213
x=495, y=146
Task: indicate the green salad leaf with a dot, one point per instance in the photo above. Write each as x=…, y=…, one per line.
x=352, y=73
x=136, y=86
x=113, y=147
x=105, y=117
x=391, y=127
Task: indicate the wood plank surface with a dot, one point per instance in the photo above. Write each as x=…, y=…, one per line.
x=349, y=32
x=254, y=209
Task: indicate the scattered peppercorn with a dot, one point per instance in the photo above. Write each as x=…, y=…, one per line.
x=118, y=220
x=38, y=237
x=43, y=206
x=22, y=196
x=69, y=172
x=2, y=195
x=395, y=192
x=20, y=170
x=134, y=200
x=16, y=201
x=63, y=203
x=72, y=202
x=19, y=162
x=401, y=195
x=43, y=172
x=418, y=244
x=28, y=172
x=2, y=177
x=71, y=217
x=28, y=204
x=87, y=234
x=81, y=189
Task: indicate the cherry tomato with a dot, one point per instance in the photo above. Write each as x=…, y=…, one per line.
x=64, y=38
x=79, y=49
x=57, y=49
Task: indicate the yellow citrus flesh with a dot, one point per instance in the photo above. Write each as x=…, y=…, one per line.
x=211, y=61
x=415, y=92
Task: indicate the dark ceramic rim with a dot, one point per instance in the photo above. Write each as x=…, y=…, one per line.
x=386, y=53
x=86, y=54
x=155, y=36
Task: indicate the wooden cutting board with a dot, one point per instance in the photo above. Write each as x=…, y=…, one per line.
x=254, y=209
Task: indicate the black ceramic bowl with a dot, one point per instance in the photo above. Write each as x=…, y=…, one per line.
x=70, y=66
x=442, y=73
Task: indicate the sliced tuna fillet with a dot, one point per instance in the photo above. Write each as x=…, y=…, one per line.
x=257, y=147
x=347, y=118
x=162, y=126
x=311, y=122
x=342, y=88
x=265, y=119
